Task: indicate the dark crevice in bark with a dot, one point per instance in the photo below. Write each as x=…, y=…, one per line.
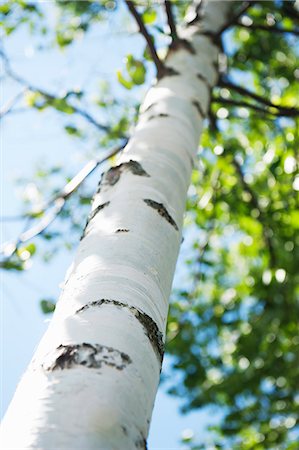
x=198, y=14
x=149, y=325
x=122, y=230
x=216, y=66
x=160, y=208
x=168, y=72
x=179, y=44
x=91, y=216
x=214, y=37
x=199, y=108
x=92, y=356
x=141, y=443
x=155, y=116
x=203, y=78
x=112, y=176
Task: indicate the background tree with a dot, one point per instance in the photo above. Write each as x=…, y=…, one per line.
x=232, y=329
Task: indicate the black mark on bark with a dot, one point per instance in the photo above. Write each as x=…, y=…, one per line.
x=96, y=210
x=199, y=108
x=92, y=215
x=111, y=177
x=216, y=66
x=168, y=72
x=149, y=325
x=203, y=78
x=158, y=115
x=88, y=355
x=141, y=443
x=214, y=37
x=182, y=43
x=122, y=230
x=124, y=430
x=161, y=210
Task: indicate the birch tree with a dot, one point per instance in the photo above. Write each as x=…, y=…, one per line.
x=93, y=380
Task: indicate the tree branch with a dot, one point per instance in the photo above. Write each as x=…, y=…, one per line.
x=46, y=95
x=12, y=102
x=231, y=102
x=234, y=19
x=283, y=110
x=158, y=63
x=288, y=9
x=56, y=203
x=170, y=19
x=256, y=26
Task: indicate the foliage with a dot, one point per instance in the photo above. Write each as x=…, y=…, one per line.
x=232, y=329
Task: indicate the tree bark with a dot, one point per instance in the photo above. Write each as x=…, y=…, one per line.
x=94, y=377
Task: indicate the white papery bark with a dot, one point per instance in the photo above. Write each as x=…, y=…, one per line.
x=93, y=380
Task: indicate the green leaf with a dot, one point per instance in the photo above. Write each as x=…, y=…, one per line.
x=47, y=306
x=136, y=70
x=149, y=16
x=125, y=83
x=72, y=130
x=61, y=105
x=26, y=252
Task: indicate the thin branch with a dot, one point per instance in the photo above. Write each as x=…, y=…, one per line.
x=12, y=102
x=231, y=102
x=56, y=204
x=234, y=19
x=283, y=110
x=158, y=63
x=170, y=19
x=288, y=9
x=48, y=96
x=262, y=217
x=274, y=29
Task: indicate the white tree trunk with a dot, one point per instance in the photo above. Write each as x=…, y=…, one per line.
x=93, y=380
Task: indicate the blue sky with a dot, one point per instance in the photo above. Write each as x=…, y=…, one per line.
x=27, y=139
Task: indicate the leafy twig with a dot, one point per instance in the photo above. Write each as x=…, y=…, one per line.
x=158, y=63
